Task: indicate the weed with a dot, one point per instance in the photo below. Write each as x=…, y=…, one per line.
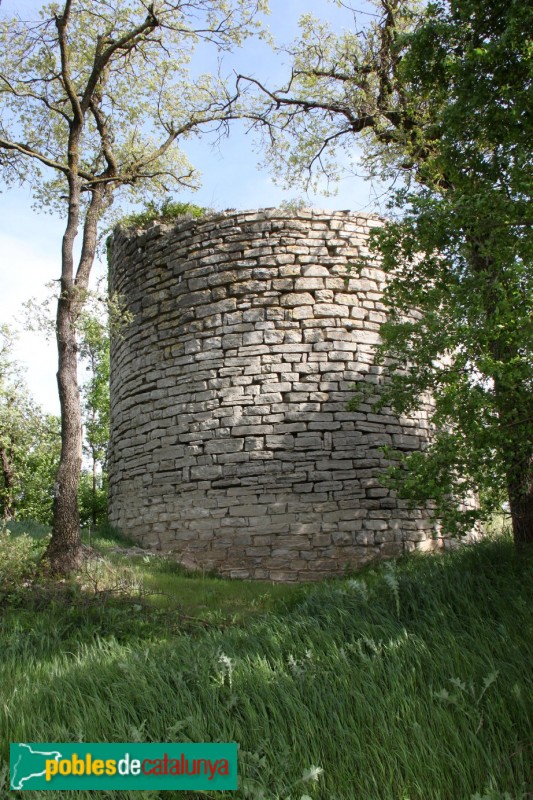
x=18, y=559
x=168, y=211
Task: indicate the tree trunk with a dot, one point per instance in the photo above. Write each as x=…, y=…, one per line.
x=513, y=401
x=516, y=442
x=94, y=514
x=8, y=506
x=521, y=506
x=64, y=552
x=522, y=519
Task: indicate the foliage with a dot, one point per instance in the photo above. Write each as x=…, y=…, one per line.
x=18, y=560
x=461, y=253
x=168, y=211
x=94, y=353
x=341, y=85
x=325, y=682
x=37, y=530
x=79, y=65
x=29, y=444
x=92, y=497
x=440, y=98
x=39, y=471
x=294, y=205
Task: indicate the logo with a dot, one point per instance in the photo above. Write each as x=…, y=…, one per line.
x=123, y=766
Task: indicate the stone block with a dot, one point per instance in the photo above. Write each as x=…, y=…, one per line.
x=293, y=299
x=211, y=309
x=283, y=576
x=302, y=312
x=308, y=283
x=225, y=445
x=283, y=284
x=330, y=310
x=251, y=430
x=206, y=472
x=405, y=442
x=253, y=337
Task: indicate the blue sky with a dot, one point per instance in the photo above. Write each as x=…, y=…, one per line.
x=30, y=241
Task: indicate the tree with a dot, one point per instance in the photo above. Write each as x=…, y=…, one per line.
x=29, y=444
x=93, y=335
x=341, y=86
x=38, y=470
x=97, y=97
x=6, y=450
x=94, y=351
x=442, y=95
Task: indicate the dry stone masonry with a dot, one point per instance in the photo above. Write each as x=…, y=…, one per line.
x=231, y=444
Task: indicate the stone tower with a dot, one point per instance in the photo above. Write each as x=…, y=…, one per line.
x=231, y=443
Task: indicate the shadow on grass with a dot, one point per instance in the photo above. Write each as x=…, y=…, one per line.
x=412, y=681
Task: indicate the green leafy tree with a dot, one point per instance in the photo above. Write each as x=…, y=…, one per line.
x=36, y=496
x=94, y=101
x=29, y=445
x=14, y=408
x=442, y=97
x=462, y=252
x=94, y=352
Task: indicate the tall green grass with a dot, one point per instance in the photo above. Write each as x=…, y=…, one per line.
x=413, y=682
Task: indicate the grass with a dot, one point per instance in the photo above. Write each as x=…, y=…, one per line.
x=158, y=582
x=36, y=530
x=410, y=682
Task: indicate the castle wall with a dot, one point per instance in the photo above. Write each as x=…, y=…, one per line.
x=231, y=444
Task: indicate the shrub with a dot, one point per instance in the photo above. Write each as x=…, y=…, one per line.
x=167, y=212
x=92, y=501
x=18, y=559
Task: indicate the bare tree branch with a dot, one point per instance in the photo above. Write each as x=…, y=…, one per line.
x=61, y=25
x=40, y=98
x=26, y=150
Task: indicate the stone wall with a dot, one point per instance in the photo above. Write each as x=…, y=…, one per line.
x=231, y=443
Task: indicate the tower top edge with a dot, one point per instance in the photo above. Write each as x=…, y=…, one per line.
x=159, y=227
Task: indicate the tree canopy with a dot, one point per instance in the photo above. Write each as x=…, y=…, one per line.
x=120, y=77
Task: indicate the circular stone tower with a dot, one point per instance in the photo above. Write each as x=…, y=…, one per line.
x=231, y=444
